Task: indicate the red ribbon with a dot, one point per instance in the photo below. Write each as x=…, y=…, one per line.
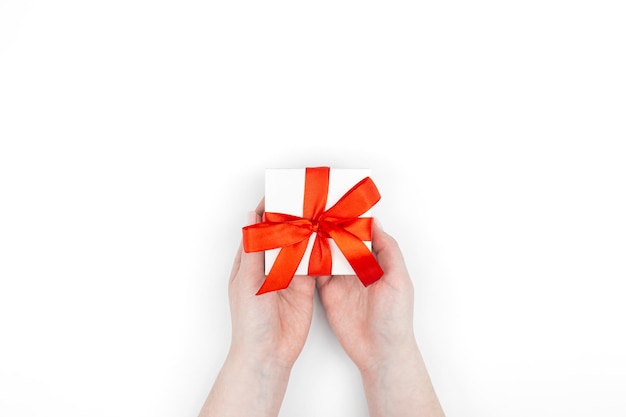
x=341, y=223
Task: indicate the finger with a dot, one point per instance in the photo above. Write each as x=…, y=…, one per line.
x=251, y=218
x=301, y=284
x=387, y=251
x=260, y=208
x=252, y=261
x=321, y=281
x=323, y=289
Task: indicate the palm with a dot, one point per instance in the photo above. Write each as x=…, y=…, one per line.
x=276, y=323
x=369, y=322
x=362, y=318
x=289, y=313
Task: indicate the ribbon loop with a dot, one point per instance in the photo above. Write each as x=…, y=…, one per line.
x=341, y=223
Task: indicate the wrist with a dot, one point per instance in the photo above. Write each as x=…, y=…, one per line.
x=398, y=357
x=400, y=385
x=247, y=386
x=268, y=366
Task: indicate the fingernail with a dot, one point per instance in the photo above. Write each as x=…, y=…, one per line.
x=378, y=223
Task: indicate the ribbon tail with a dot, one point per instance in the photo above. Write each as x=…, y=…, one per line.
x=284, y=267
x=321, y=262
x=358, y=255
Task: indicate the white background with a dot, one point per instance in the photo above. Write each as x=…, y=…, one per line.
x=134, y=137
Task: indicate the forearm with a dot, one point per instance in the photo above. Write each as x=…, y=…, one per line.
x=401, y=386
x=247, y=387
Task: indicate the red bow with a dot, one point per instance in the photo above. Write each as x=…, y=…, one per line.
x=341, y=223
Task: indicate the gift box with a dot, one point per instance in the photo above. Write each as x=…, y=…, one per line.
x=317, y=221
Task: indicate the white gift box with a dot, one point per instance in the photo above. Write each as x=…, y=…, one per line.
x=284, y=193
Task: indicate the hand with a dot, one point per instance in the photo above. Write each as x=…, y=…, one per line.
x=268, y=334
x=375, y=327
x=272, y=326
x=372, y=323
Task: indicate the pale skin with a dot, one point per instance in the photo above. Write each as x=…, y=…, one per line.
x=373, y=324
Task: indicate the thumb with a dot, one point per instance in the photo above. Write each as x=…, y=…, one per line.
x=387, y=253
x=321, y=281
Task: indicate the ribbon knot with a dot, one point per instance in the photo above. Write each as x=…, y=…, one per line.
x=341, y=223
